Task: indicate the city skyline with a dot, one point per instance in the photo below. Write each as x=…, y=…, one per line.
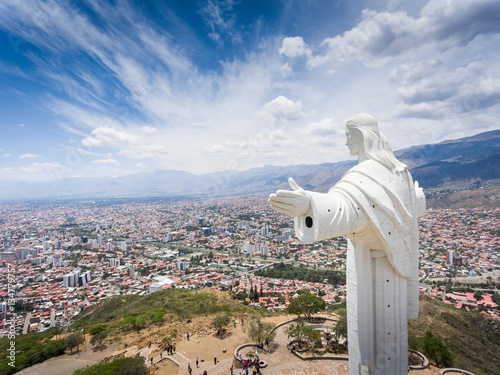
x=97, y=89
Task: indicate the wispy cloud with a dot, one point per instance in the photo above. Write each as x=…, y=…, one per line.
x=29, y=156
x=105, y=161
x=220, y=19
x=118, y=82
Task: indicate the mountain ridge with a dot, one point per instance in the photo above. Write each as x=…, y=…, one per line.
x=451, y=163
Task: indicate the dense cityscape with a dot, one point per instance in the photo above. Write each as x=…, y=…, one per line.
x=61, y=257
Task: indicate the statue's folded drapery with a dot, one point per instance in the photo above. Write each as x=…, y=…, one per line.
x=377, y=209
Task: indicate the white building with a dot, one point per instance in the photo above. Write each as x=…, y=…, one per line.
x=114, y=262
x=72, y=279
x=57, y=260
x=159, y=282
x=264, y=250
x=3, y=311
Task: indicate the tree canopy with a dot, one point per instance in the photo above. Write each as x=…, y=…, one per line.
x=307, y=304
x=220, y=323
x=259, y=331
x=435, y=350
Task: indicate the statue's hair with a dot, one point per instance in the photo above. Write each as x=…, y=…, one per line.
x=374, y=143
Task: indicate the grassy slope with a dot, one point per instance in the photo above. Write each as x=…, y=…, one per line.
x=488, y=198
x=473, y=338
x=177, y=303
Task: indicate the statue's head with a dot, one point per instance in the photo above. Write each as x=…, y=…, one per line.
x=364, y=137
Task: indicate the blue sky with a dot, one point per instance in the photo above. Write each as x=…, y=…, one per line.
x=94, y=88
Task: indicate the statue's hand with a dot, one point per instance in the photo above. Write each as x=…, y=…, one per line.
x=292, y=203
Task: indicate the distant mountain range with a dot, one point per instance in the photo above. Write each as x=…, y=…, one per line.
x=452, y=163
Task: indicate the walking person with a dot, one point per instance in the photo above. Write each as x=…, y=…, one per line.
x=215, y=360
x=231, y=369
x=196, y=362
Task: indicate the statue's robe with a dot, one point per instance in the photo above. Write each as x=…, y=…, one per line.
x=377, y=209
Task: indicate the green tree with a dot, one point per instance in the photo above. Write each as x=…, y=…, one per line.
x=141, y=321
x=97, y=329
x=220, y=323
x=300, y=333
x=98, y=339
x=307, y=304
x=434, y=349
x=135, y=367
x=478, y=296
x=496, y=298
x=157, y=315
x=74, y=341
x=259, y=331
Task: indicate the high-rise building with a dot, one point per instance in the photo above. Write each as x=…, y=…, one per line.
x=266, y=231
x=76, y=241
x=113, y=262
x=3, y=311
x=84, y=279
x=8, y=256
x=99, y=240
x=181, y=265
x=264, y=250
x=68, y=280
x=450, y=256
x=57, y=260
x=22, y=253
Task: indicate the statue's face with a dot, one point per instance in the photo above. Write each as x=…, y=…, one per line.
x=353, y=141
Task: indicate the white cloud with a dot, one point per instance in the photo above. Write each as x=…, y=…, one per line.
x=429, y=90
x=33, y=172
x=325, y=127
x=144, y=151
x=150, y=98
x=21, y=125
x=29, y=156
x=215, y=148
x=107, y=135
x=294, y=47
x=282, y=108
x=220, y=18
x=381, y=36
x=105, y=161
x=6, y=155
x=149, y=130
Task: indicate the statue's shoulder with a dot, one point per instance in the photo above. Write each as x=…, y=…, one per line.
x=369, y=167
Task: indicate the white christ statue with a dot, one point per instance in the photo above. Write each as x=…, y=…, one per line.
x=376, y=205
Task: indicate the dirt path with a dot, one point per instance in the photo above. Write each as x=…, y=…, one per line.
x=57, y=366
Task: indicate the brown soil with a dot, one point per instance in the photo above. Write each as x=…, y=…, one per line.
x=204, y=345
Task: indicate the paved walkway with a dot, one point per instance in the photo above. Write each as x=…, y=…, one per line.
x=278, y=358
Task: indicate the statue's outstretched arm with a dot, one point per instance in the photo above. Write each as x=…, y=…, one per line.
x=292, y=203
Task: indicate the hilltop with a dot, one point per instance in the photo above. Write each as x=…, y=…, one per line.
x=473, y=338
